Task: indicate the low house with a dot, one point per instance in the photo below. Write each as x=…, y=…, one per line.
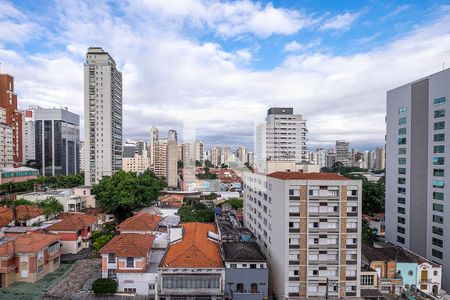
x=142, y=222
x=28, y=257
x=369, y=284
x=15, y=175
x=246, y=273
x=75, y=231
x=192, y=264
x=67, y=197
x=129, y=259
x=21, y=215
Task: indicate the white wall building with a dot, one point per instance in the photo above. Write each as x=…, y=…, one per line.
x=417, y=156
x=6, y=141
x=103, y=116
x=309, y=227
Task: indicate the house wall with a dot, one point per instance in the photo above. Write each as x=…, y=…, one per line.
x=405, y=269
x=139, y=281
x=246, y=276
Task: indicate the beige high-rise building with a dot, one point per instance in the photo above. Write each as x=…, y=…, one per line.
x=154, y=136
x=103, y=116
x=138, y=163
x=380, y=158
x=6, y=141
x=309, y=227
x=172, y=159
x=215, y=156
x=243, y=154
x=199, y=152
x=226, y=153
x=160, y=157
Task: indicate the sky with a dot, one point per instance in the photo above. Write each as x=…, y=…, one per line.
x=217, y=66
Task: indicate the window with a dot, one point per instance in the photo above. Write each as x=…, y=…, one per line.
x=438, y=207
x=438, y=161
x=53, y=247
x=438, y=219
x=401, y=190
x=439, y=113
x=410, y=273
x=439, y=101
x=252, y=266
x=439, y=184
x=402, y=131
x=401, y=210
x=402, y=161
x=402, y=121
x=111, y=258
x=438, y=195
x=401, y=200
x=130, y=290
x=438, y=230
x=366, y=279
x=436, y=253
x=23, y=258
x=111, y=273
x=401, y=151
x=401, y=180
x=401, y=220
x=24, y=273
x=402, y=110
x=253, y=288
x=401, y=141
x=438, y=172
x=439, y=137
x=439, y=149
x=439, y=125
x=400, y=239
x=130, y=262
x=437, y=242
x=233, y=266
x=401, y=171
x=400, y=229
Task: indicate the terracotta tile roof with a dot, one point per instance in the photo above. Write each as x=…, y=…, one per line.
x=141, y=221
x=27, y=212
x=6, y=216
x=73, y=222
x=34, y=242
x=195, y=250
x=306, y=176
x=129, y=245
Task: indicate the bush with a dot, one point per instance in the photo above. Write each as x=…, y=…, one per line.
x=104, y=286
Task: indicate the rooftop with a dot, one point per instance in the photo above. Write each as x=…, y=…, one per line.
x=73, y=222
x=243, y=252
x=141, y=221
x=306, y=176
x=194, y=250
x=33, y=242
x=129, y=245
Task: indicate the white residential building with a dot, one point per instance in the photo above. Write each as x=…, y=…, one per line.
x=172, y=159
x=137, y=163
x=103, y=116
x=343, y=154
x=309, y=227
x=417, y=159
x=281, y=137
x=28, y=137
x=199, y=152
x=6, y=141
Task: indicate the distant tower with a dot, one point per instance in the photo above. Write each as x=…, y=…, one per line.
x=172, y=159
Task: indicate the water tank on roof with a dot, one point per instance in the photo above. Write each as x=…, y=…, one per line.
x=245, y=237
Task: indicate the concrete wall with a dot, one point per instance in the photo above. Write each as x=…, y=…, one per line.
x=247, y=277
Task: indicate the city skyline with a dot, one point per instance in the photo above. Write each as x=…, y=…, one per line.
x=227, y=59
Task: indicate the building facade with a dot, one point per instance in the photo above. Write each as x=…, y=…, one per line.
x=160, y=157
x=342, y=153
x=103, y=116
x=57, y=141
x=8, y=101
x=417, y=188
x=6, y=141
x=309, y=227
x=29, y=137
x=172, y=159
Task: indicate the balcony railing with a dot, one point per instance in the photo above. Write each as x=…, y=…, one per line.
x=246, y=295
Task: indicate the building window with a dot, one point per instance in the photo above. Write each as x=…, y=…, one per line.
x=438, y=172
x=439, y=149
x=438, y=195
x=401, y=180
x=401, y=220
x=253, y=288
x=400, y=229
x=402, y=131
x=401, y=141
x=438, y=230
x=402, y=110
x=436, y=253
x=402, y=121
x=401, y=200
x=439, y=101
x=401, y=151
x=111, y=258
x=438, y=219
x=438, y=161
x=439, y=137
x=402, y=161
x=400, y=239
x=401, y=210
x=401, y=171
x=437, y=242
x=130, y=290
x=439, y=184
x=130, y=262
x=367, y=280
x=410, y=273
x=439, y=125
x=401, y=190
x=438, y=207
x=233, y=266
x=439, y=113
x=240, y=288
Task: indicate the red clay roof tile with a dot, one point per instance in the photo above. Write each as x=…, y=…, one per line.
x=142, y=221
x=73, y=222
x=129, y=245
x=306, y=176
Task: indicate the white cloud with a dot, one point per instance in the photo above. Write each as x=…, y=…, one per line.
x=341, y=22
x=294, y=46
x=170, y=78
x=15, y=26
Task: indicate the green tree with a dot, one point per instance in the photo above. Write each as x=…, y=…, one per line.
x=51, y=206
x=198, y=163
x=212, y=196
x=208, y=164
x=180, y=164
x=104, y=286
x=234, y=202
x=369, y=235
x=100, y=238
x=193, y=211
x=124, y=192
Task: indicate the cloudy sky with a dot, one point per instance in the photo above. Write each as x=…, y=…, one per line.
x=217, y=66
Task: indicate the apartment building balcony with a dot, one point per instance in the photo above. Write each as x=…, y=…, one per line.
x=246, y=295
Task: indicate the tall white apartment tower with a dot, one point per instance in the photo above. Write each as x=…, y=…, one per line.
x=281, y=138
x=342, y=153
x=103, y=116
x=172, y=159
x=417, y=160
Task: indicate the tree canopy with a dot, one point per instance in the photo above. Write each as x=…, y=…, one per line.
x=193, y=211
x=124, y=192
x=51, y=206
